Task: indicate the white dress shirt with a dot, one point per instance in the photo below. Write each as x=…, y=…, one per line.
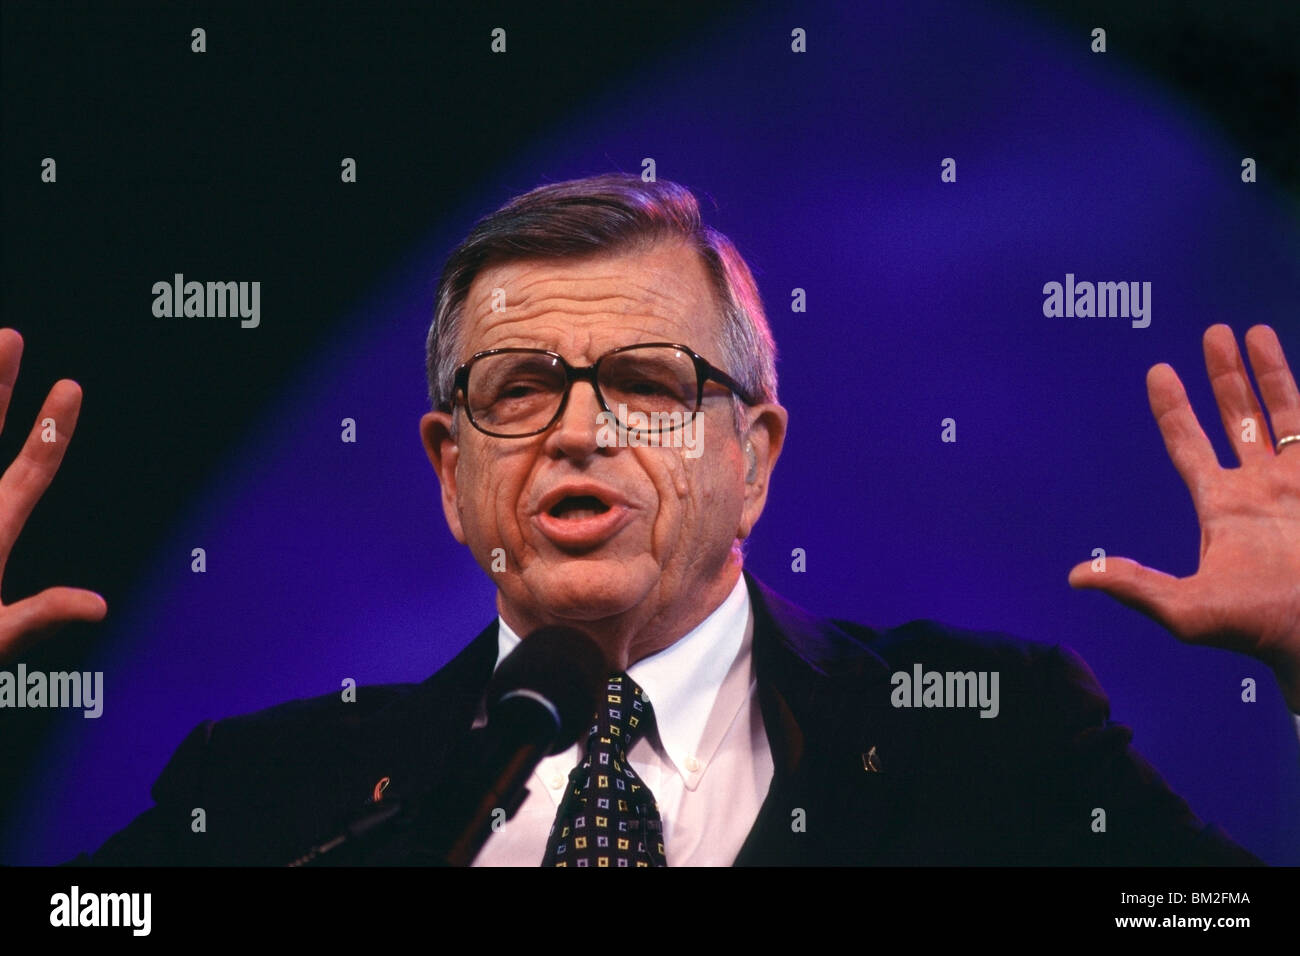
x=709, y=765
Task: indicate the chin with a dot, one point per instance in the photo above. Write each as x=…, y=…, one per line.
x=586, y=590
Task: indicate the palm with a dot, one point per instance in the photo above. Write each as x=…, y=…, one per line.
x=21, y=487
x=1246, y=591
x=1245, y=594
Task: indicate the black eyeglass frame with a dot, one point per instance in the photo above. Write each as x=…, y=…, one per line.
x=705, y=372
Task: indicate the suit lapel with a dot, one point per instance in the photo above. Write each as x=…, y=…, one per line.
x=836, y=742
x=413, y=741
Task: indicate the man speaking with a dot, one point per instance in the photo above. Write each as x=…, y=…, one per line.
x=605, y=427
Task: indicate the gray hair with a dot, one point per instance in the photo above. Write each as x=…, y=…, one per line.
x=606, y=213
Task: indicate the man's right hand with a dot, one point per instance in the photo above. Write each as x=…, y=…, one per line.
x=21, y=487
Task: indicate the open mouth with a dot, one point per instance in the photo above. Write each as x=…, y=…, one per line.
x=581, y=517
x=577, y=507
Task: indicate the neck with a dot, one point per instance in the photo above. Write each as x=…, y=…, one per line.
x=645, y=629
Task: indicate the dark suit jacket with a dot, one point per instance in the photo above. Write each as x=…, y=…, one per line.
x=943, y=786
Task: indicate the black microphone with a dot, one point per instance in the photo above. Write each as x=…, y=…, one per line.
x=539, y=701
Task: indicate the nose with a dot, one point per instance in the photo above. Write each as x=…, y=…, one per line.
x=574, y=435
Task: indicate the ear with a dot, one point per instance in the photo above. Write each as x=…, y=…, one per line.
x=444, y=454
x=762, y=442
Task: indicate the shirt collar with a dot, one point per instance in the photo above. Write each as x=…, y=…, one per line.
x=696, y=685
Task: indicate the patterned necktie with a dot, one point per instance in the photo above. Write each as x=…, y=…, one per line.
x=609, y=817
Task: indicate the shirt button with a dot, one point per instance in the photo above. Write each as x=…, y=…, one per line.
x=556, y=781
x=692, y=765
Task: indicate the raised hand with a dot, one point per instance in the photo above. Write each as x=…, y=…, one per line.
x=21, y=487
x=1245, y=595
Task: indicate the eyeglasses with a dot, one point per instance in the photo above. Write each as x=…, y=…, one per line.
x=649, y=388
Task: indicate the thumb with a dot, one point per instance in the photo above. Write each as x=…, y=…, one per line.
x=1144, y=589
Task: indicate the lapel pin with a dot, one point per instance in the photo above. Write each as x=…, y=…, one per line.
x=871, y=761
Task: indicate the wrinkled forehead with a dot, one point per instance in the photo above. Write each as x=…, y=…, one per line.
x=582, y=307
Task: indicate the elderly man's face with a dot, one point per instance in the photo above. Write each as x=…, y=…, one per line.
x=665, y=546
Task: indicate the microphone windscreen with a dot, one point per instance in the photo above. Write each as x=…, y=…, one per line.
x=562, y=665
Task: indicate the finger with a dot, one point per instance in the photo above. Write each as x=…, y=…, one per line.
x=11, y=354
x=28, y=620
x=1188, y=448
x=1276, y=383
x=1236, y=397
x=26, y=479
x=1152, y=592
